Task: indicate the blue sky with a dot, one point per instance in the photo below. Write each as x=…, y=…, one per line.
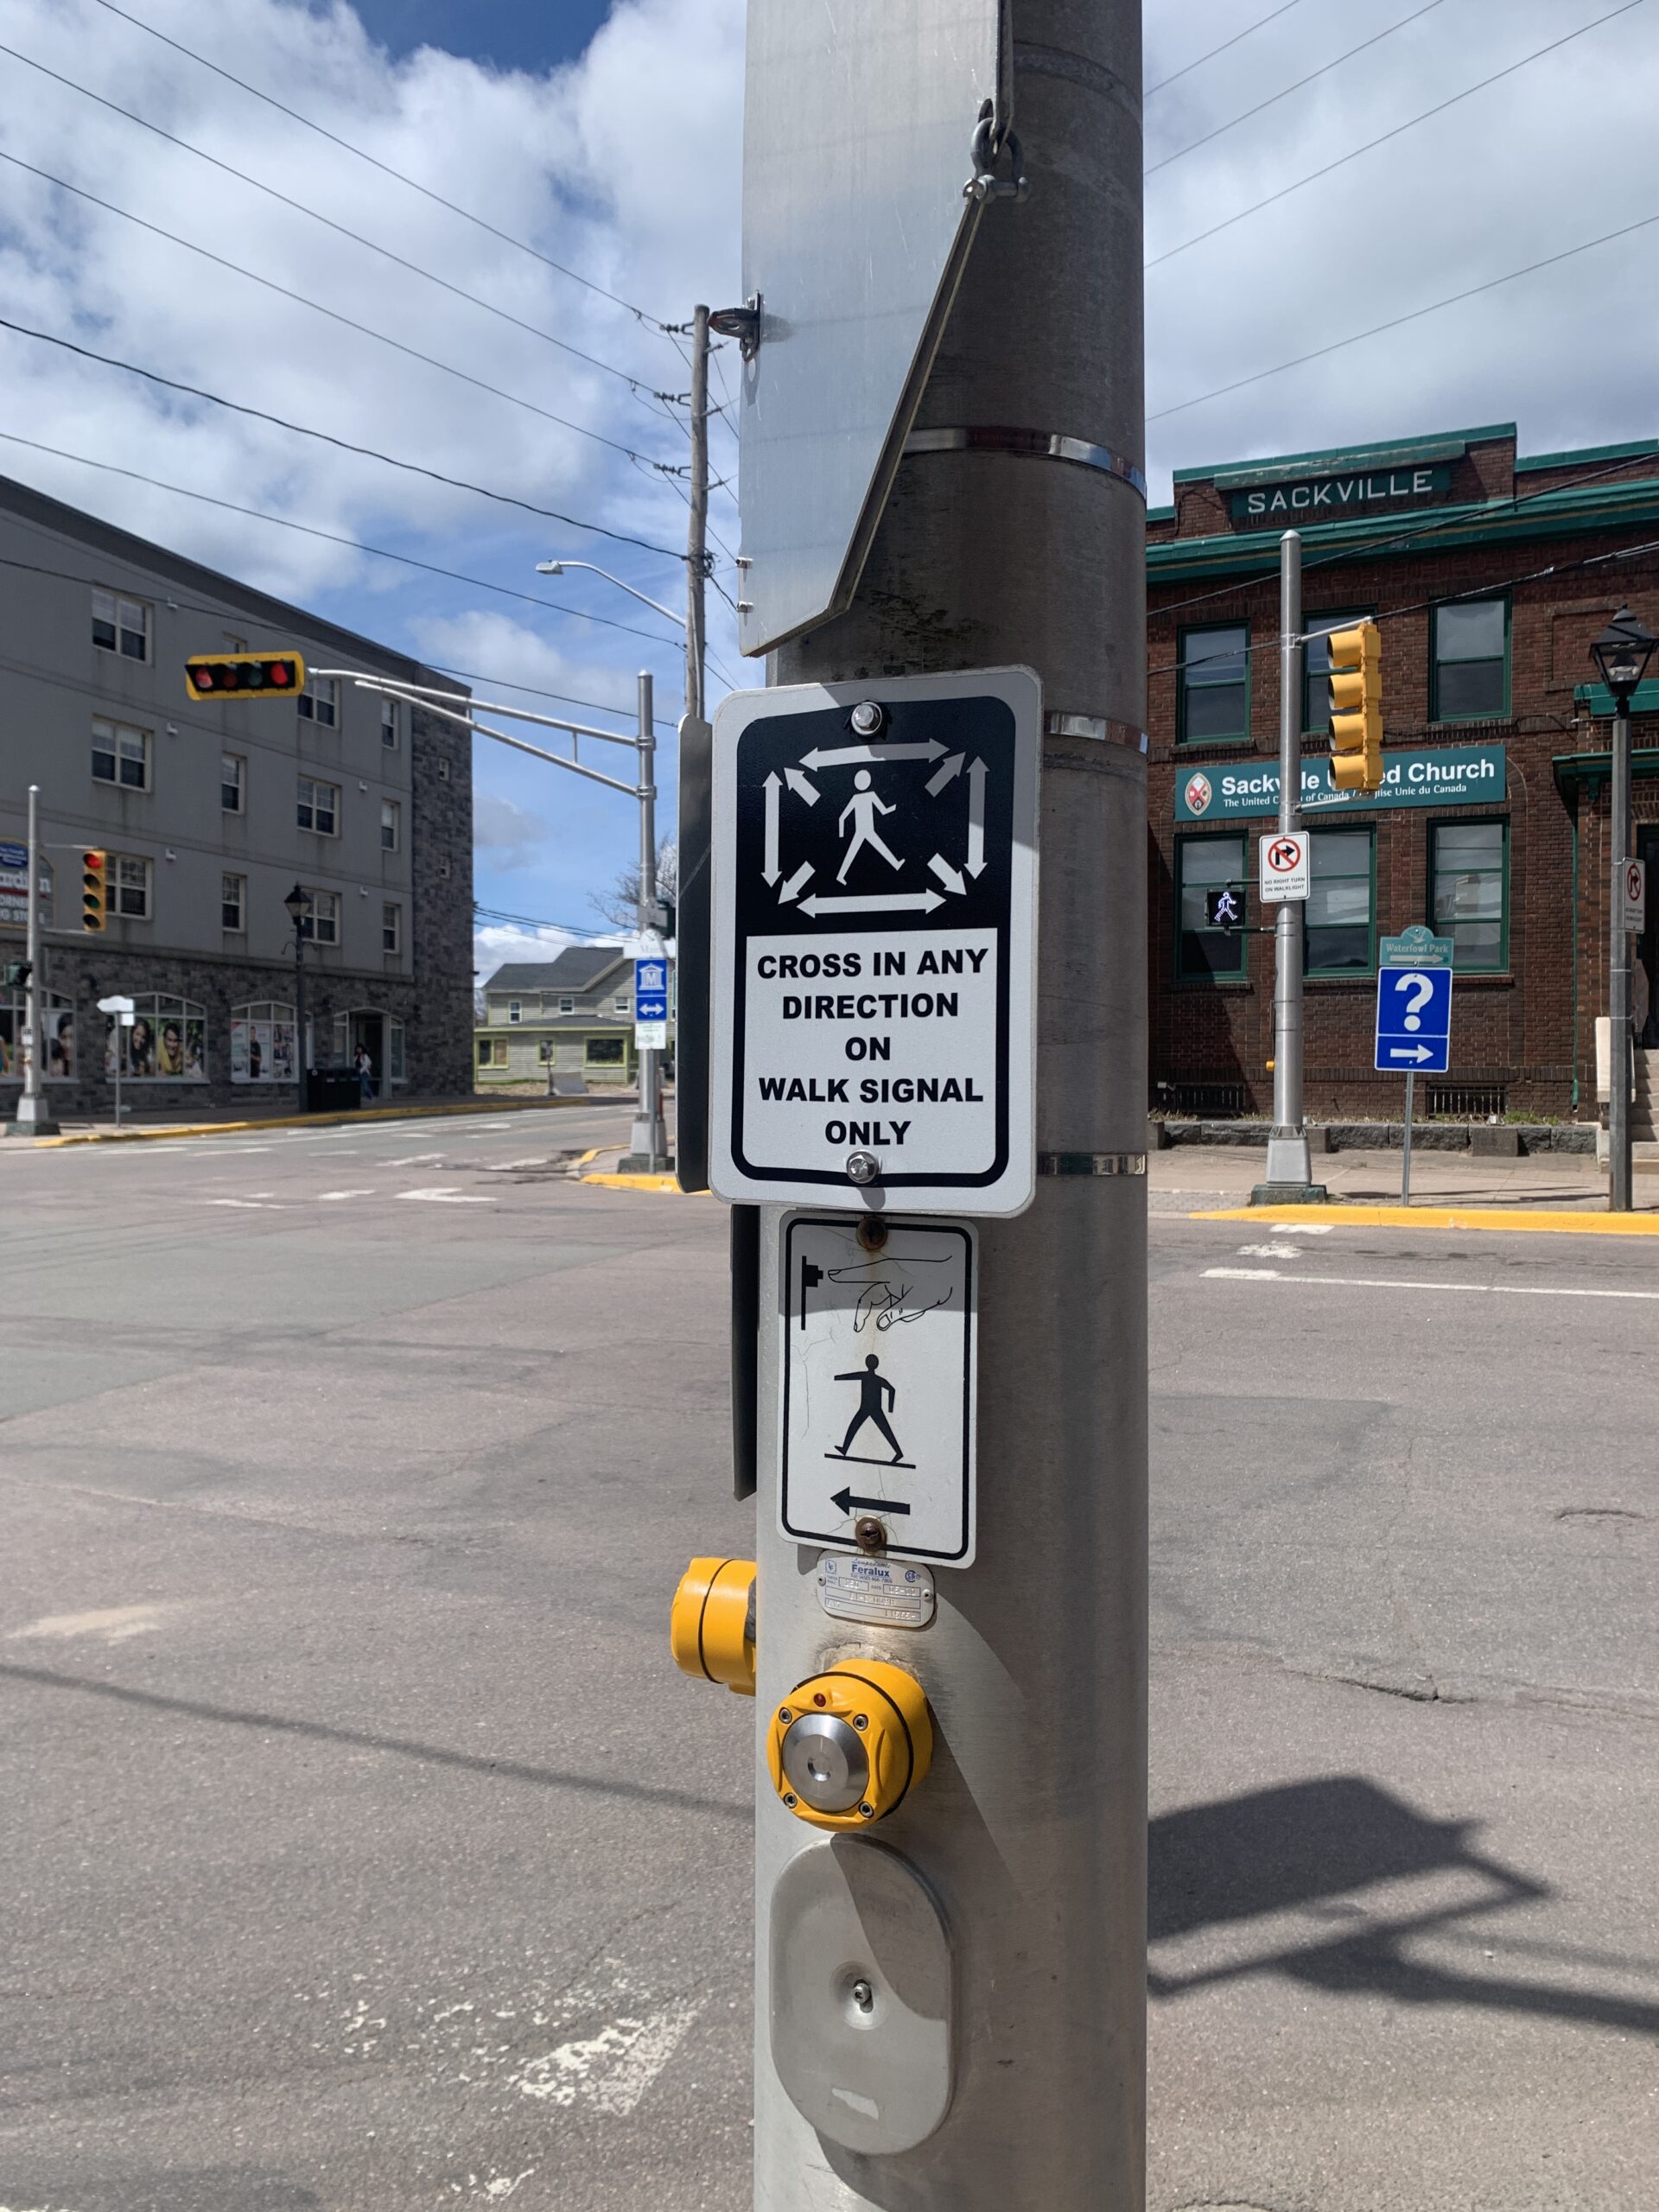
x=606, y=139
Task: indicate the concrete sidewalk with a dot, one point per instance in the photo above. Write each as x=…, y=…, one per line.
x=1191, y=1177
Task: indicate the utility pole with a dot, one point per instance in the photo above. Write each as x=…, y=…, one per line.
x=1290, y=1175
x=1618, y=967
x=697, y=537
x=1016, y=534
x=32, y=1117
x=649, y=1153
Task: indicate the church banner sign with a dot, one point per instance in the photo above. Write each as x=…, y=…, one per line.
x=1462, y=775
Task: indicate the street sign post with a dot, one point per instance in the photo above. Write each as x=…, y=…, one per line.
x=1414, y=1018
x=858, y=139
x=1285, y=866
x=874, y=891
x=651, y=1003
x=1634, y=887
x=876, y=1387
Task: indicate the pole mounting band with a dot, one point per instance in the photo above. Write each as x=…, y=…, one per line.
x=1102, y=728
x=1038, y=445
x=1092, y=1163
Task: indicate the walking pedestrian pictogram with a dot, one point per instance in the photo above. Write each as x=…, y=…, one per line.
x=864, y=805
x=874, y=1392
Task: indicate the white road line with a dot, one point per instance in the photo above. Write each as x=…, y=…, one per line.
x=416, y=1159
x=254, y=1205
x=447, y=1195
x=1390, y=1283
x=328, y=1197
x=1269, y=1252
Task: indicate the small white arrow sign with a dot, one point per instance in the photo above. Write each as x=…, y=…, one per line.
x=802, y=786
x=941, y=777
x=771, y=871
x=1410, y=1052
x=796, y=885
x=949, y=876
x=975, y=862
x=892, y=902
x=845, y=756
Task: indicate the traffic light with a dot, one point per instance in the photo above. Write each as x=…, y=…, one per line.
x=18, y=973
x=94, y=890
x=1356, y=707
x=244, y=675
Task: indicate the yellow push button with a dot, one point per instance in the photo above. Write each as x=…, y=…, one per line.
x=847, y=1746
x=711, y=1623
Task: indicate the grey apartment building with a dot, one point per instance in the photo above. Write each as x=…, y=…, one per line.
x=210, y=813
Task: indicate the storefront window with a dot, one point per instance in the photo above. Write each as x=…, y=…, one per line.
x=1469, y=889
x=1214, y=685
x=1316, y=662
x=1472, y=660
x=57, y=1021
x=1208, y=864
x=606, y=1053
x=262, y=1042
x=166, y=1043
x=1337, y=917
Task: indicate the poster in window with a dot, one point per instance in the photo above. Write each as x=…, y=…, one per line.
x=282, y=1051
x=241, y=1034
x=169, y=1048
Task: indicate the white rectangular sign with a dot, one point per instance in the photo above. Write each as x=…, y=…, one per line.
x=874, y=895
x=1284, y=866
x=651, y=1036
x=876, y=1386
x=1635, y=890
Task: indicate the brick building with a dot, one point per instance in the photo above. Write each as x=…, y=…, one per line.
x=210, y=813
x=1489, y=575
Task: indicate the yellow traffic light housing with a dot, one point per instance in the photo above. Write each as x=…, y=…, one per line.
x=711, y=1623
x=846, y=1746
x=94, y=890
x=1356, y=707
x=244, y=675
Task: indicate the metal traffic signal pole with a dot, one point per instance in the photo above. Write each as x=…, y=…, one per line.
x=1015, y=533
x=649, y=1153
x=696, y=540
x=32, y=1118
x=1618, y=967
x=1289, y=1169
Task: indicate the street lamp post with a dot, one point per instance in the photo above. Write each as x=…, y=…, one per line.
x=1621, y=655
x=299, y=906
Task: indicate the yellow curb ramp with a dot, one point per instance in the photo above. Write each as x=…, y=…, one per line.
x=306, y=1122
x=1542, y=1222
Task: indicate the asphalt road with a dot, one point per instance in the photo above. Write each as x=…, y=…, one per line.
x=363, y=1851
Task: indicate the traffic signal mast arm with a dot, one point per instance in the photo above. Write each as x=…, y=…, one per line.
x=1356, y=707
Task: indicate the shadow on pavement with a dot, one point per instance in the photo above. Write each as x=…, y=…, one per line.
x=1303, y=1850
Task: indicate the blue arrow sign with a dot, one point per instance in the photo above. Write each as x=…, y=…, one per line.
x=1414, y=1021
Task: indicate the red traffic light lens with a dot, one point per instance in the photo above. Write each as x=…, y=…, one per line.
x=276, y=672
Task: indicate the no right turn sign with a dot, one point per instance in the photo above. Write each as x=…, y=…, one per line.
x=1284, y=867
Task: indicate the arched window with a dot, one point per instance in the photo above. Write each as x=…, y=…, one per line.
x=166, y=1041
x=57, y=1019
x=262, y=1042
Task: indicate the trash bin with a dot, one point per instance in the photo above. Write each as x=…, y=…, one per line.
x=333, y=1091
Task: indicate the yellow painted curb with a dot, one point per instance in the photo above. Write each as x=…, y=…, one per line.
x=642, y=1182
x=1542, y=1222
x=304, y=1122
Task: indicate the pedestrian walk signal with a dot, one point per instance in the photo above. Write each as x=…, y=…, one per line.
x=94, y=890
x=1356, y=707
x=1224, y=910
x=244, y=675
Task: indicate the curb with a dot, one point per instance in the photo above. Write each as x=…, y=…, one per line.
x=305, y=1121
x=1542, y=1223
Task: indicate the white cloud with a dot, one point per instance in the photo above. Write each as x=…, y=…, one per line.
x=512, y=833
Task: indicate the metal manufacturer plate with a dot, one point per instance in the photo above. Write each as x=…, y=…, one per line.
x=881, y=1591
x=874, y=895
x=876, y=1396
x=858, y=128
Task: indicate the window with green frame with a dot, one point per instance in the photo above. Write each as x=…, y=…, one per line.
x=1472, y=660
x=1215, y=706
x=1340, y=917
x=1315, y=662
x=1203, y=865
x=1469, y=892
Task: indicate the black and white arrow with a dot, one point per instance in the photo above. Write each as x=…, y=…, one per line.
x=845, y=1500
x=797, y=884
x=770, y=869
x=976, y=860
x=1410, y=1052
x=872, y=902
x=802, y=786
x=847, y=756
x=949, y=876
x=941, y=777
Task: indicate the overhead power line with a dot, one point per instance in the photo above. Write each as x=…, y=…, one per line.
x=385, y=167
x=336, y=537
x=1394, y=322
x=1187, y=68
x=637, y=385
x=533, y=922
x=1411, y=123
x=1323, y=70
x=381, y=337
x=328, y=438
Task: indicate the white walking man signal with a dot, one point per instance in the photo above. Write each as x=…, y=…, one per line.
x=864, y=805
